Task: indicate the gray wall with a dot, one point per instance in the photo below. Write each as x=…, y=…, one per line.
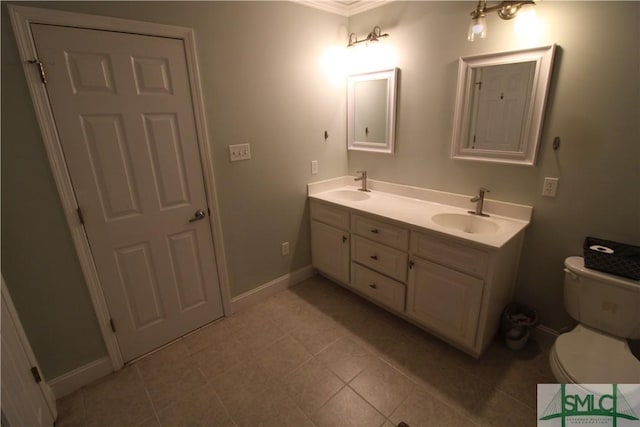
x=263, y=85
x=594, y=107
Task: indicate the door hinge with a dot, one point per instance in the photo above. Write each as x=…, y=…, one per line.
x=80, y=216
x=40, y=65
x=36, y=374
x=113, y=325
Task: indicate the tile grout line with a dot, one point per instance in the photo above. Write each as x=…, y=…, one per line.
x=279, y=381
x=366, y=401
x=84, y=407
x=414, y=385
x=146, y=390
x=226, y=410
x=329, y=399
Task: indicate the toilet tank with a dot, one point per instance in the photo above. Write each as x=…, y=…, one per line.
x=602, y=301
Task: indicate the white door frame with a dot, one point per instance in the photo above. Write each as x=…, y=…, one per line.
x=45, y=389
x=21, y=18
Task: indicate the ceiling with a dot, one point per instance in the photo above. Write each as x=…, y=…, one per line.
x=344, y=7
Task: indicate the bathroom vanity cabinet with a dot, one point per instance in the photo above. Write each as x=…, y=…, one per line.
x=379, y=261
x=453, y=288
x=330, y=241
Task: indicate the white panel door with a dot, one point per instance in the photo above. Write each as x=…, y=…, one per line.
x=124, y=113
x=502, y=105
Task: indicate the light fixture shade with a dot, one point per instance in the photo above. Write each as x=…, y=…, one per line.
x=477, y=28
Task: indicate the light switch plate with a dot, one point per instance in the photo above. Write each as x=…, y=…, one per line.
x=314, y=167
x=239, y=152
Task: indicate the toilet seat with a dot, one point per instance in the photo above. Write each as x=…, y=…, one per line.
x=587, y=356
x=558, y=371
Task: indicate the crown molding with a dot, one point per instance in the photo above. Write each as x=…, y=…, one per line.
x=344, y=7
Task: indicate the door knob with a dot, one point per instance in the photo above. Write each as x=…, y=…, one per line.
x=198, y=215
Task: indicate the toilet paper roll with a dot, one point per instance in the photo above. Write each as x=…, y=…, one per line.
x=602, y=249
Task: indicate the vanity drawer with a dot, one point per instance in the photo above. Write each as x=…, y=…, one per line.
x=383, y=259
x=379, y=231
x=378, y=287
x=452, y=254
x=330, y=215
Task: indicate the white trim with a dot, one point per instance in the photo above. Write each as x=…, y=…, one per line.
x=71, y=381
x=544, y=335
x=21, y=19
x=262, y=292
x=45, y=386
x=355, y=7
x=388, y=146
x=207, y=169
x=546, y=331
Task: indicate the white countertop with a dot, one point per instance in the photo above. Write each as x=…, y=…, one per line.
x=416, y=207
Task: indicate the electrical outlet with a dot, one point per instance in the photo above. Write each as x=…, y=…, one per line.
x=239, y=152
x=314, y=167
x=285, y=248
x=550, y=187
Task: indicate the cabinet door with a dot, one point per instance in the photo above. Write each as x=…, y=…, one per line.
x=330, y=251
x=445, y=301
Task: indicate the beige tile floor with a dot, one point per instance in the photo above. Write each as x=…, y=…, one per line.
x=315, y=355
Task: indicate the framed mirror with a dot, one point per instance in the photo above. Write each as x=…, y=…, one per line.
x=371, y=111
x=500, y=105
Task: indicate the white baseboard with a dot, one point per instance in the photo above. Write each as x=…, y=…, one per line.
x=73, y=380
x=249, y=298
x=545, y=334
x=552, y=333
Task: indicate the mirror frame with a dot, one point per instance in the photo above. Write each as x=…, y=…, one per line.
x=389, y=145
x=532, y=126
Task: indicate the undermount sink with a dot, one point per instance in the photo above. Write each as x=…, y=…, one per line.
x=350, y=195
x=466, y=223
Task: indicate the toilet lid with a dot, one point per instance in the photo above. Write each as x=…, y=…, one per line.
x=591, y=357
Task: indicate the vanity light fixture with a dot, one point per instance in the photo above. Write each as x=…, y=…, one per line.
x=506, y=10
x=373, y=36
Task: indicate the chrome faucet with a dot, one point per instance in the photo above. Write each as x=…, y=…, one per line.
x=363, y=178
x=479, y=201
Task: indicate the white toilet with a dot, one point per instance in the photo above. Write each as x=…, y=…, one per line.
x=608, y=309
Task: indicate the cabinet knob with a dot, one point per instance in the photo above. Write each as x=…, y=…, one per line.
x=374, y=257
x=373, y=286
x=375, y=231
